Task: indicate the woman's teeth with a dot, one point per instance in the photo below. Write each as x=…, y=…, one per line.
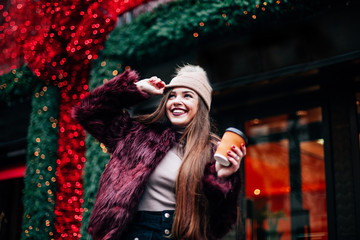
x=178, y=111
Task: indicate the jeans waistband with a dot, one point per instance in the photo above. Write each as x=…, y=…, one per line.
x=151, y=225
x=158, y=216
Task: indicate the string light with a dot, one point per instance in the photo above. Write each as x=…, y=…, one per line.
x=104, y=149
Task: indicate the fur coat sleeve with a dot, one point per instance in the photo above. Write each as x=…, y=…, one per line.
x=222, y=195
x=102, y=113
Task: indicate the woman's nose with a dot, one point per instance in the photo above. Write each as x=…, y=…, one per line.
x=178, y=100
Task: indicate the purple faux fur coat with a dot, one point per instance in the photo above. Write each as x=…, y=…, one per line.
x=136, y=151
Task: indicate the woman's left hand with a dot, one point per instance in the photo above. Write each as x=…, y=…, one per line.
x=234, y=156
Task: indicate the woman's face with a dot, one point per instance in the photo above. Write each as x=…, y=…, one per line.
x=181, y=106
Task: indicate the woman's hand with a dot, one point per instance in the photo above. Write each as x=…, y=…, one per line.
x=234, y=156
x=153, y=85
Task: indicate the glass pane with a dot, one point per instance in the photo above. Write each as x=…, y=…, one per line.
x=313, y=186
x=309, y=116
x=285, y=177
x=266, y=126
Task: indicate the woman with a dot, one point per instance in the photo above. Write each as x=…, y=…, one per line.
x=161, y=181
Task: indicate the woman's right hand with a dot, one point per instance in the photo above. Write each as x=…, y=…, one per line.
x=153, y=85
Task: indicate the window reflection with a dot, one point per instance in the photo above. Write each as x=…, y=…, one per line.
x=285, y=177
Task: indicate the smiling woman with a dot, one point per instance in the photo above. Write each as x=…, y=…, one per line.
x=161, y=181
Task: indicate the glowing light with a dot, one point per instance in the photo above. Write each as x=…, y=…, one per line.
x=255, y=121
x=301, y=113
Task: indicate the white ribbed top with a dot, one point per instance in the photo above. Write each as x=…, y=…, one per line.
x=159, y=194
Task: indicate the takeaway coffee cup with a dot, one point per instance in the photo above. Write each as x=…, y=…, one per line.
x=232, y=136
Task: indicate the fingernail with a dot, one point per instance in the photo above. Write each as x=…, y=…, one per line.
x=233, y=146
x=242, y=144
x=229, y=151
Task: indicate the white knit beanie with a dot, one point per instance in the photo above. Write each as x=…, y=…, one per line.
x=195, y=78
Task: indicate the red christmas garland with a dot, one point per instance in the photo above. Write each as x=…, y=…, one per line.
x=70, y=163
x=58, y=40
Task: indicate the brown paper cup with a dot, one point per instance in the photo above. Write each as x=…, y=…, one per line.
x=232, y=136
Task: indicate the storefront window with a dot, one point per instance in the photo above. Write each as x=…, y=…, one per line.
x=285, y=177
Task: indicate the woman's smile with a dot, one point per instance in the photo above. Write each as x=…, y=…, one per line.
x=178, y=112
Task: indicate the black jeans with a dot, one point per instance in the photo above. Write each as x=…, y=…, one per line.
x=151, y=226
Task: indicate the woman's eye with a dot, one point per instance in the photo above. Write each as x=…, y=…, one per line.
x=188, y=95
x=171, y=96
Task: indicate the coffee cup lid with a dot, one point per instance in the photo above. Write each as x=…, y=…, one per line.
x=237, y=131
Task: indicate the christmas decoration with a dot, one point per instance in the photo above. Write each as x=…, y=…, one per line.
x=44, y=33
x=40, y=178
x=182, y=25
x=96, y=160
x=70, y=162
x=17, y=86
x=58, y=40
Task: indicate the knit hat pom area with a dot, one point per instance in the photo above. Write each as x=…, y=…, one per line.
x=195, y=78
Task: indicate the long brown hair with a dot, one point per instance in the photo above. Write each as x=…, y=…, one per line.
x=190, y=220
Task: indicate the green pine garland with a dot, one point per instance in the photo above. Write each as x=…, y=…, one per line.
x=17, y=86
x=40, y=178
x=180, y=26
x=96, y=160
